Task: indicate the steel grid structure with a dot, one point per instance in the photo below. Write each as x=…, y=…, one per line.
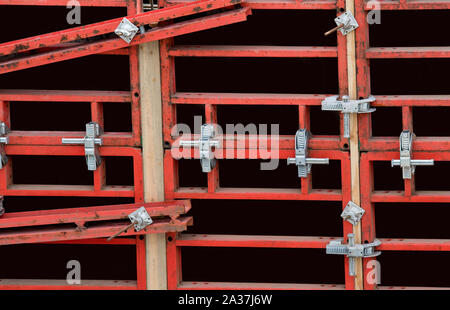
x=387, y=148
x=35, y=143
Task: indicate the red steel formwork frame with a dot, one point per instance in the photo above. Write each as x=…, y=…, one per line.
x=333, y=147
x=49, y=143
x=387, y=148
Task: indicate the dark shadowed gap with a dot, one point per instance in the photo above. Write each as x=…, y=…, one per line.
x=409, y=76
x=431, y=121
x=270, y=27
x=261, y=265
x=419, y=220
x=49, y=261
x=266, y=217
x=34, y=203
x=324, y=122
x=257, y=75
x=400, y=28
x=71, y=116
x=119, y=170
x=433, y=177
x=406, y=268
x=117, y=116
x=58, y=170
x=386, y=177
x=386, y=122
x=190, y=173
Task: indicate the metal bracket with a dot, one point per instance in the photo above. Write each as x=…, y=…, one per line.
x=352, y=250
x=347, y=106
x=301, y=155
x=140, y=218
x=352, y=213
x=205, y=145
x=3, y=140
x=408, y=165
x=126, y=30
x=91, y=142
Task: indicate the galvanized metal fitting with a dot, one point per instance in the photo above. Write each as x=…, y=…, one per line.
x=347, y=106
x=205, y=145
x=408, y=165
x=91, y=142
x=3, y=140
x=126, y=30
x=301, y=155
x=352, y=250
x=352, y=213
x=140, y=218
x=347, y=22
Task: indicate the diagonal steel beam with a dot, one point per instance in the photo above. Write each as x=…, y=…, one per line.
x=158, y=33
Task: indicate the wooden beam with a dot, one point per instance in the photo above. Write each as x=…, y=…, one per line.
x=354, y=140
x=152, y=157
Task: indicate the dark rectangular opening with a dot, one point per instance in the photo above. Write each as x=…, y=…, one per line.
x=192, y=115
x=45, y=19
x=266, y=217
x=409, y=76
x=251, y=265
x=410, y=32
x=419, y=220
x=119, y=170
x=386, y=177
x=71, y=116
x=49, y=261
x=34, y=203
x=258, y=119
x=407, y=268
x=431, y=121
x=117, y=116
x=433, y=177
x=257, y=75
x=327, y=176
x=58, y=170
x=324, y=122
x=278, y=27
x=190, y=173
x=248, y=173
x=106, y=72
x=387, y=122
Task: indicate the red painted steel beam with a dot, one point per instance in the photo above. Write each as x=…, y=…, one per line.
x=281, y=4
x=412, y=101
x=410, y=5
x=252, y=51
x=418, y=196
x=96, y=29
x=51, y=284
x=93, y=3
x=158, y=33
x=199, y=285
x=247, y=99
x=440, y=245
x=296, y=242
x=39, y=235
x=409, y=288
x=408, y=52
x=88, y=214
x=258, y=193
x=64, y=95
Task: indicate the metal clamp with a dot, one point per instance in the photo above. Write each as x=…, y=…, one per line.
x=345, y=22
x=91, y=142
x=408, y=165
x=2, y=209
x=205, y=145
x=352, y=250
x=126, y=30
x=3, y=140
x=301, y=155
x=347, y=106
x=352, y=213
x=139, y=219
